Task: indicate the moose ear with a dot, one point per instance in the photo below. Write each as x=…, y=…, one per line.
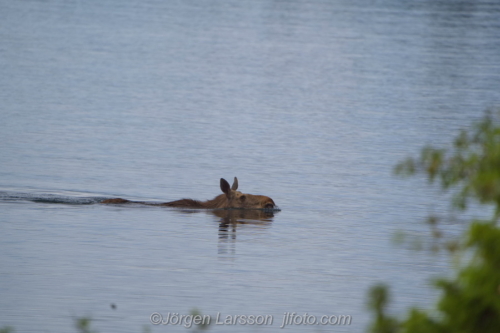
x=235, y=184
x=224, y=186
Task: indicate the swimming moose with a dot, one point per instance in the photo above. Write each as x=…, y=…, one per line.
x=230, y=199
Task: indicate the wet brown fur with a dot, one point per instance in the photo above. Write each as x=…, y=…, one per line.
x=230, y=199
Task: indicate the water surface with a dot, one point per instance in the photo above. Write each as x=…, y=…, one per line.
x=308, y=102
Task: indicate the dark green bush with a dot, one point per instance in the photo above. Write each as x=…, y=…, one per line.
x=469, y=302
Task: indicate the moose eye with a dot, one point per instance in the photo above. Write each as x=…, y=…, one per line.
x=243, y=198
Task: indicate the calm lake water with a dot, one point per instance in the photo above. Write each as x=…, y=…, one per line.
x=309, y=102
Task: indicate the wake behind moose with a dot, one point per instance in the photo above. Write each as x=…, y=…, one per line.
x=230, y=199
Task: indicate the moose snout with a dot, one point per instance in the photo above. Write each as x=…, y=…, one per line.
x=269, y=203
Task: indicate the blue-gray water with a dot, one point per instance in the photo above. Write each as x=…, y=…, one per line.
x=309, y=102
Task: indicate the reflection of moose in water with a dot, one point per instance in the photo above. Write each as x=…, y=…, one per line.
x=230, y=220
x=244, y=216
x=230, y=199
